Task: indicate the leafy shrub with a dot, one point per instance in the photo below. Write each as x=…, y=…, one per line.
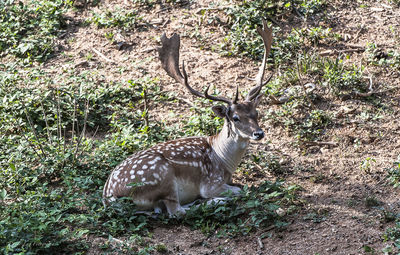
x=392, y=235
x=256, y=207
x=246, y=16
x=394, y=174
x=28, y=28
x=115, y=18
x=341, y=79
x=55, y=171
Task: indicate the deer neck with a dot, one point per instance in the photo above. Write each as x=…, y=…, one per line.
x=228, y=148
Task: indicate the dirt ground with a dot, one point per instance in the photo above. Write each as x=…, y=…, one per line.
x=336, y=217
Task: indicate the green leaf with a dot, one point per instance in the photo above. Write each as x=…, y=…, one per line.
x=82, y=232
x=3, y=194
x=12, y=166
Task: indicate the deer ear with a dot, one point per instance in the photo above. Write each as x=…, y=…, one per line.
x=219, y=110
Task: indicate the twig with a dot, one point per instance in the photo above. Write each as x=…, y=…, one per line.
x=186, y=101
x=82, y=63
x=64, y=148
x=259, y=242
x=47, y=125
x=94, y=134
x=102, y=56
x=73, y=121
x=332, y=52
x=164, y=9
x=219, y=8
x=258, y=166
x=299, y=14
x=31, y=144
x=302, y=84
x=58, y=119
x=34, y=131
x=148, y=50
x=165, y=23
x=320, y=143
x=83, y=130
x=146, y=109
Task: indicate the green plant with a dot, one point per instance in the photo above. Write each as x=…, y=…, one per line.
x=366, y=164
x=342, y=80
x=379, y=57
x=242, y=38
x=115, y=18
x=392, y=235
x=394, y=173
x=28, y=28
x=55, y=168
x=256, y=207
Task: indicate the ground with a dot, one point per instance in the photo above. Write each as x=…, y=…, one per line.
x=344, y=190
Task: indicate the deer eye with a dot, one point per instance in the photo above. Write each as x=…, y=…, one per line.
x=235, y=118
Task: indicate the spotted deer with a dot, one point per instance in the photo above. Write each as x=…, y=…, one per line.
x=178, y=172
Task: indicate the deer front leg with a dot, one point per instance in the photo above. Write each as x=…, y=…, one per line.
x=208, y=190
x=172, y=203
x=173, y=207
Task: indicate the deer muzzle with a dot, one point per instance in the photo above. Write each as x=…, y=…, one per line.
x=258, y=134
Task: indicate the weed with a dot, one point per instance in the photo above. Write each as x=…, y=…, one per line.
x=379, y=57
x=115, y=18
x=366, y=165
x=55, y=169
x=372, y=201
x=392, y=236
x=202, y=123
x=161, y=248
x=262, y=161
x=342, y=80
x=394, y=173
x=56, y=165
x=28, y=28
x=256, y=207
x=246, y=16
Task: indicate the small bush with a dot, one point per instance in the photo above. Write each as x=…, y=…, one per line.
x=115, y=18
x=28, y=28
x=255, y=208
x=394, y=173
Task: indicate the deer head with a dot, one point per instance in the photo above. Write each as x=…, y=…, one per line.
x=240, y=116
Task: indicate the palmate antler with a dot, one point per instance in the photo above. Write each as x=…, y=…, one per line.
x=169, y=57
x=266, y=34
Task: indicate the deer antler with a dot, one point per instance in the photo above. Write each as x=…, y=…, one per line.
x=169, y=57
x=266, y=34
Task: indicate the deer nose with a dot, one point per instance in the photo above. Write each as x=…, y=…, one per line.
x=258, y=135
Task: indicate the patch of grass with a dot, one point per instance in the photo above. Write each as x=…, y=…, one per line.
x=119, y=18
x=243, y=38
x=28, y=28
x=380, y=57
x=256, y=207
x=367, y=164
x=342, y=79
x=371, y=201
x=262, y=161
x=54, y=164
x=394, y=173
x=309, y=126
x=392, y=236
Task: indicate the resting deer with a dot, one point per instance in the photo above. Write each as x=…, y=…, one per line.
x=178, y=172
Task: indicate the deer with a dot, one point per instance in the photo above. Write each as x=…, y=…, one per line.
x=178, y=172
